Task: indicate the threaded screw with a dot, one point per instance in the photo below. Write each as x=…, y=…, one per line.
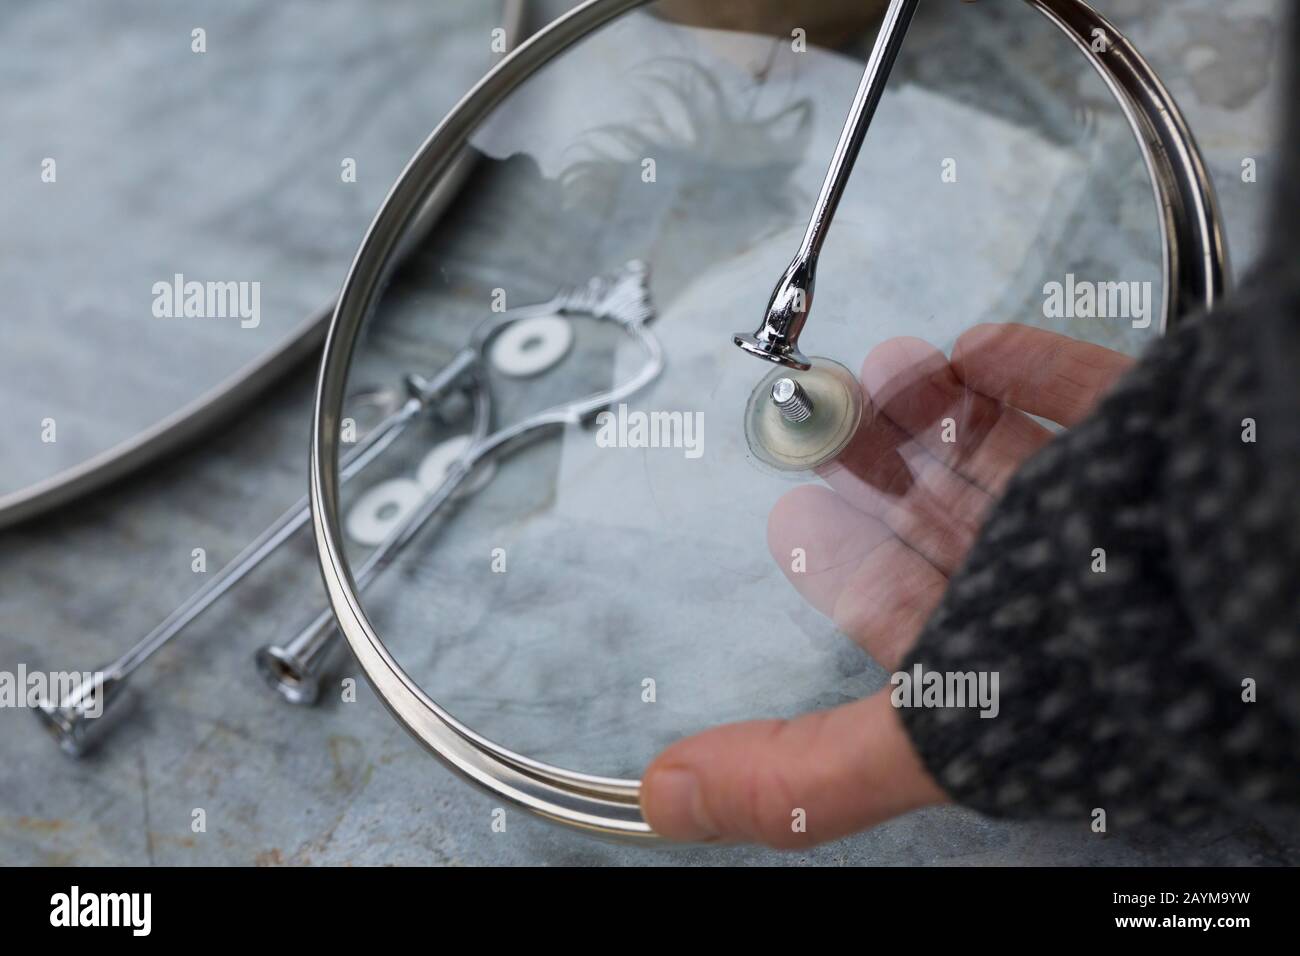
x=791, y=400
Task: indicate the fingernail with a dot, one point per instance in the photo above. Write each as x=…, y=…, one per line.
x=679, y=806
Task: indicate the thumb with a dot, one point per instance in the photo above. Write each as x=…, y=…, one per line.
x=789, y=783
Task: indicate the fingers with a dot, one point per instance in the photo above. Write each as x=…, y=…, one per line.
x=855, y=570
x=979, y=437
x=1043, y=373
x=789, y=783
x=820, y=542
x=887, y=601
x=885, y=474
x=942, y=440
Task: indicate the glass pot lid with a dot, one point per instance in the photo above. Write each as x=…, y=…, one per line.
x=589, y=538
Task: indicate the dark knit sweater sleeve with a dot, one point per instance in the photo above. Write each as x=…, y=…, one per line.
x=1169, y=683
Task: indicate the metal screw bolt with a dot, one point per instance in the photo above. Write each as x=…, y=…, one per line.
x=791, y=400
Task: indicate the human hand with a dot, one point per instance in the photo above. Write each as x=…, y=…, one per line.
x=898, y=512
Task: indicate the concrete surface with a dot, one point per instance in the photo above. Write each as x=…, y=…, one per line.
x=549, y=657
x=223, y=166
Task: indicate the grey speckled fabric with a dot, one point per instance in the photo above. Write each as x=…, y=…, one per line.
x=1123, y=690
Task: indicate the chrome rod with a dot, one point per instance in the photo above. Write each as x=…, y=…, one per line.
x=71, y=718
x=777, y=338
x=294, y=668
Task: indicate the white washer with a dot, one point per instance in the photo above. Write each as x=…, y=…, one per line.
x=381, y=509
x=530, y=346
x=433, y=469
